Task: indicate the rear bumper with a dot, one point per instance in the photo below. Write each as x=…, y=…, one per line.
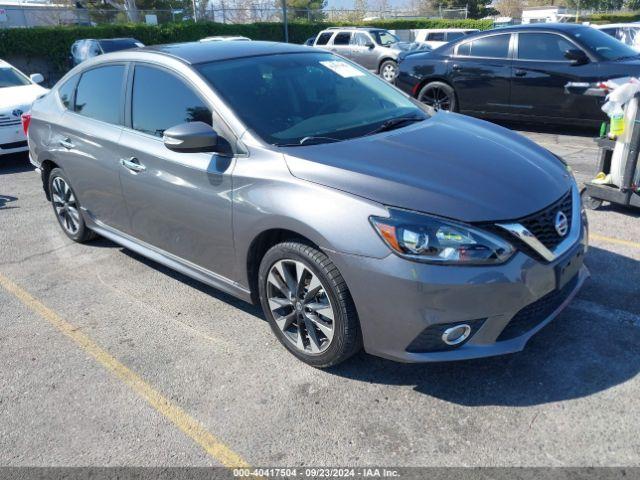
x=398, y=301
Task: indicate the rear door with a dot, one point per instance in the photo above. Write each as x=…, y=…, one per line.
x=87, y=140
x=341, y=44
x=540, y=73
x=480, y=71
x=179, y=202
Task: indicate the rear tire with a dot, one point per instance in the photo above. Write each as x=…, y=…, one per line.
x=308, y=305
x=439, y=96
x=67, y=208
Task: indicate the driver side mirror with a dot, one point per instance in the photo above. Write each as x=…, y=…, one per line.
x=36, y=78
x=577, y=56
x=193, y=137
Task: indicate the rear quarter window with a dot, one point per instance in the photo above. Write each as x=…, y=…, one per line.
x=66, y=92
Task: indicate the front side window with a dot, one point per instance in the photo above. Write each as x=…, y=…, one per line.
x=343, y=38
x=436, y=37
x=99, y=93
x=324, y=38
x=10, y=77
x=385, y=38
x=160, y=100
x=302, y=98
x=65, y=92
x=543, y=47
x=493, y=46
x=361, y=39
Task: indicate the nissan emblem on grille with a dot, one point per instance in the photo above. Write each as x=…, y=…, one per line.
x=17, y=112
x=561, y=223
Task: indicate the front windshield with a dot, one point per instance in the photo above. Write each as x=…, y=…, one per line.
x=385, y=38
x=604, y=45
x=10, y=77
x=304, y=98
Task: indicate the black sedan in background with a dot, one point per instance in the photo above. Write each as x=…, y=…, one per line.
x=520, y=73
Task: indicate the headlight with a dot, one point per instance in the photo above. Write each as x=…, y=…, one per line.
x=431, y=239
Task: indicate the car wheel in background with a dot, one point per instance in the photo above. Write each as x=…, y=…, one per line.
x=308, y=304
x=439, y=96
x=67, y=208
x=389, y=70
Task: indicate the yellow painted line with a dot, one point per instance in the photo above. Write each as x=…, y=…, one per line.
x=176, y=415
x=618, y=241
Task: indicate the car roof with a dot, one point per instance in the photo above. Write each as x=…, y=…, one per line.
x=202, y=52
x=557, y=27
x=438, y=30
x=4, y=64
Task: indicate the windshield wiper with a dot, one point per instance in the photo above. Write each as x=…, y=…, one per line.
x=310, y=141
x=394, y=123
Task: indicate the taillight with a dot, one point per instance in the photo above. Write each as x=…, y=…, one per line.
x=26, y=120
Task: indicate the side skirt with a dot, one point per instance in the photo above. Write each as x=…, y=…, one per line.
x=167, y=259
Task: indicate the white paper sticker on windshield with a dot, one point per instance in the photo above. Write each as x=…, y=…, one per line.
x=343, y=69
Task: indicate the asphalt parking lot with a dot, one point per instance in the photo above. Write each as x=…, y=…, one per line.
x=107, y=358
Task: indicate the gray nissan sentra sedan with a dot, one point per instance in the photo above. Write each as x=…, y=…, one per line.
x=295, y=179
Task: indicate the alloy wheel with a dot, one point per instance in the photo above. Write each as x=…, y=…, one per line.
x=437, y=98
x=300, y=306
x=389, y=72
x=65, y=205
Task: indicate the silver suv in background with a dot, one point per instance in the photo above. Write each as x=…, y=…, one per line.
x=375, y=49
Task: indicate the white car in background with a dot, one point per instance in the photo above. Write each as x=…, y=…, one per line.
x=17, y=93
x=436, y=37
x=627, y=33
x=225, y=38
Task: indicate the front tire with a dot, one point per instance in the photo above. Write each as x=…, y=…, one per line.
x=439, y=96
x=389, y=70
x=308, y=304
x=67, y=208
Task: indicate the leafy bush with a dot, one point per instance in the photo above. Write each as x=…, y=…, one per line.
x=54, y=43
x=619, y=17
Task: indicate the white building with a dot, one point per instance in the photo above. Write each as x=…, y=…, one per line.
x=545, y=14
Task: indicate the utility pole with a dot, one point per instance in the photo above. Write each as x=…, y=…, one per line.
x=195, y=15
x=284, y=20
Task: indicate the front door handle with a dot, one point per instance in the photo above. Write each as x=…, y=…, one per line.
x=520, y=73
x=66, y=143
x=456, y=67
x=132, y=164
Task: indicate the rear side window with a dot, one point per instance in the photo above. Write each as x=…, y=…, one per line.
x=99, y=94
x=160, y=100
x=65, y=92
x=542, y=46
x=494, y=46
x=343, y=38
x=324, y=38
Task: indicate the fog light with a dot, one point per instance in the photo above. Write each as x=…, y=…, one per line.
x=456, y=335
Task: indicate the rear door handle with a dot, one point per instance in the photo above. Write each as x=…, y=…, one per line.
x=132, y=164
x=66, y=143
x=520, y=73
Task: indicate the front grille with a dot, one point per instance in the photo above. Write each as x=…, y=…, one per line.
x=541, y=224
x=430, y=339
x=9, y=146
x=9, y=121
x=537, y=312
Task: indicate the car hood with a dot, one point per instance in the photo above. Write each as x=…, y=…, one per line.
x=449, y=165
x=19, y=97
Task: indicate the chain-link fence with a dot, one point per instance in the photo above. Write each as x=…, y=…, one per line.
x=26, y=15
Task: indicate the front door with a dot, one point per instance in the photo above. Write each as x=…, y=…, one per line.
x=363, y=51
x=480, y=71
x=179, y=202
x=540, y=74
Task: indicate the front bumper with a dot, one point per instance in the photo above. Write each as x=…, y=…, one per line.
x=12, y=139
x=397, y=300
